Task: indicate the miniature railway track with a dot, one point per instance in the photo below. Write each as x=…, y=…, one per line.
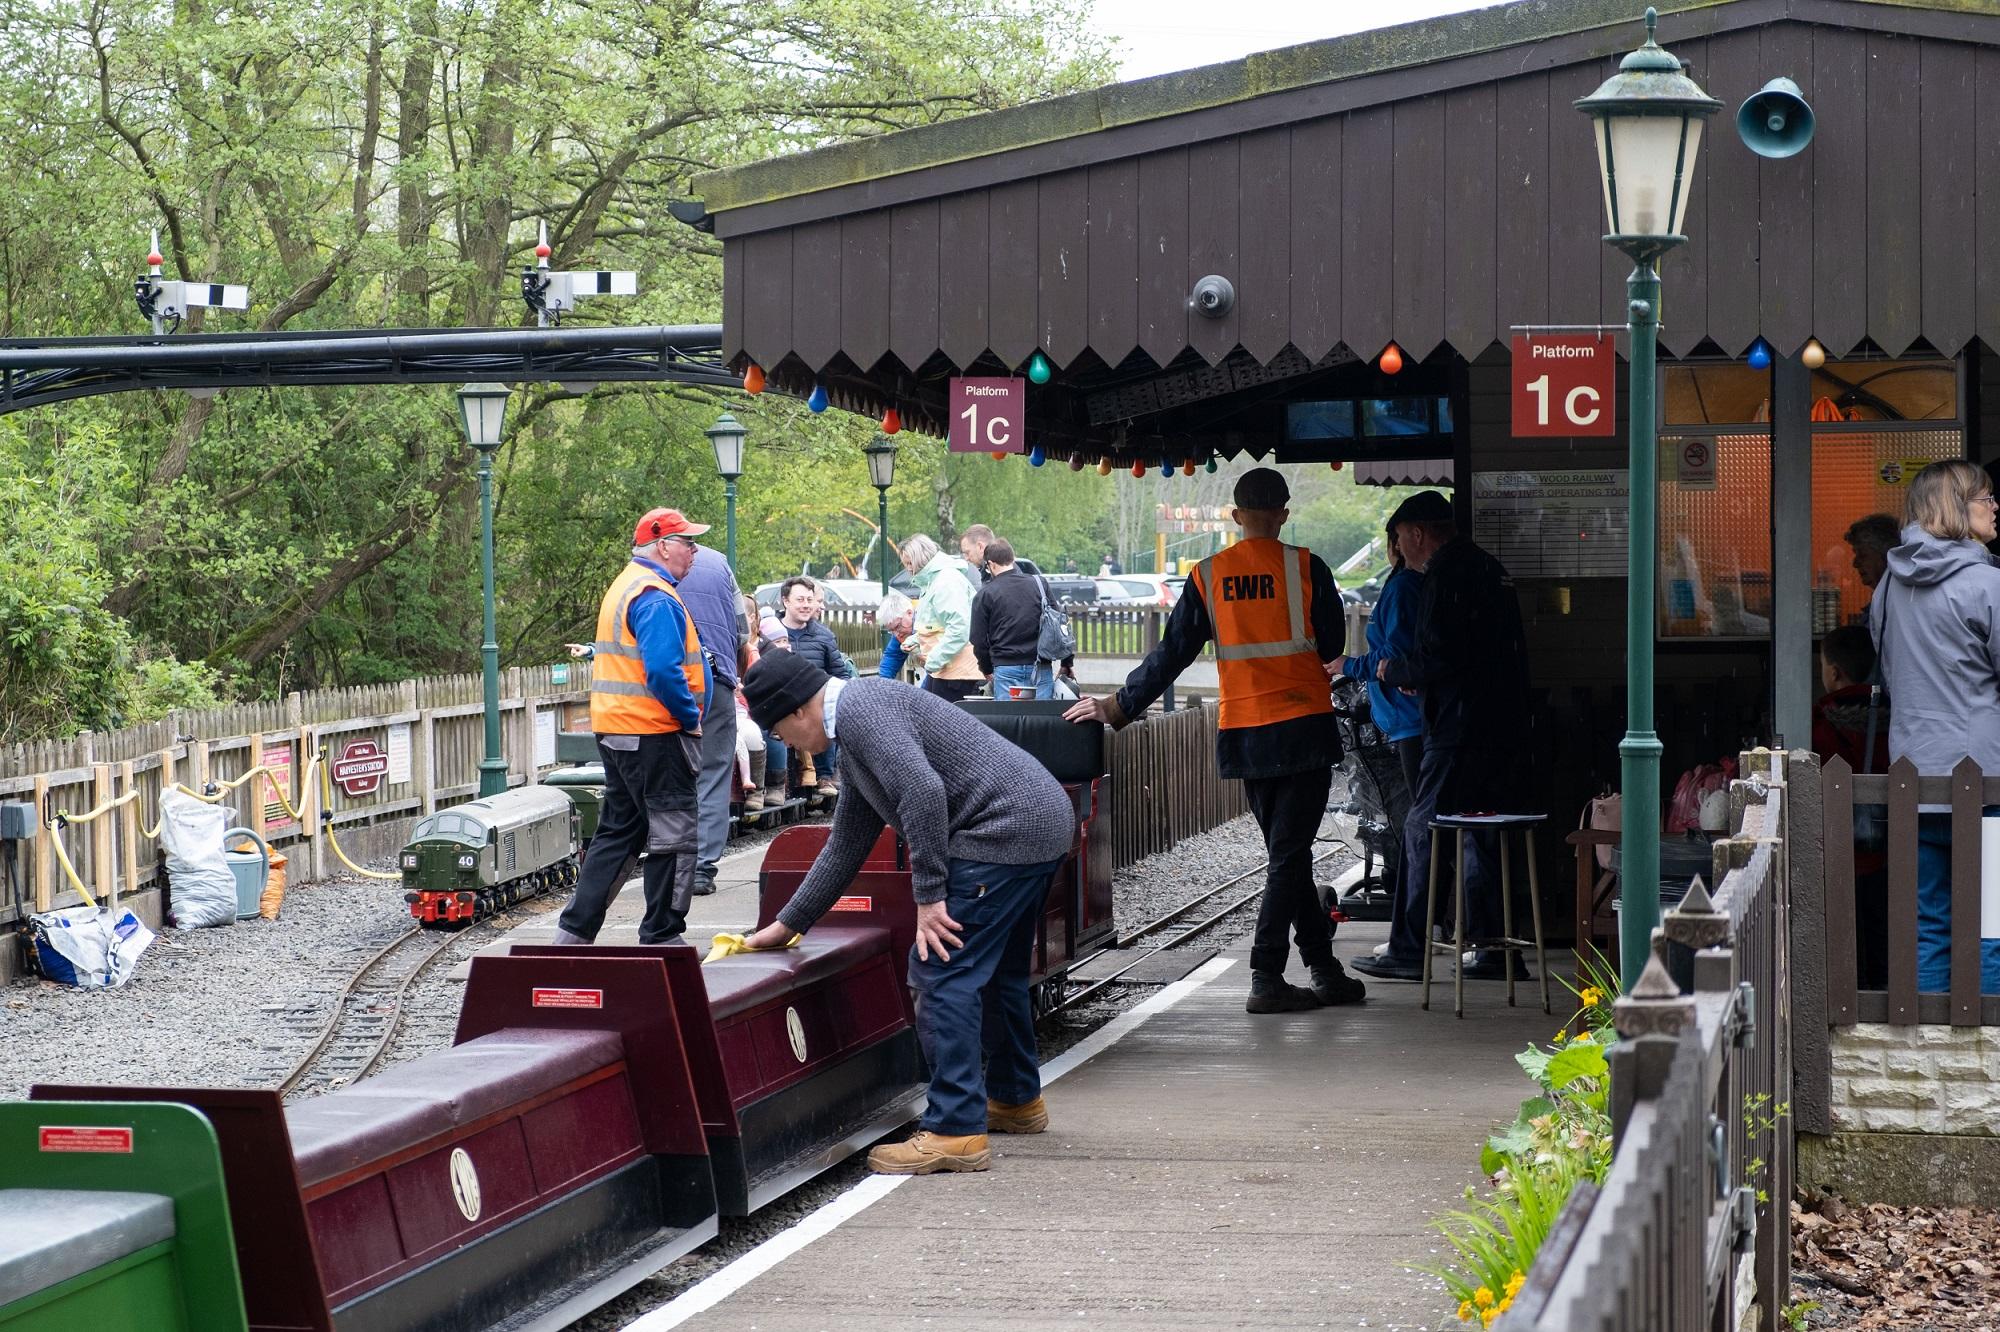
x=366, y=1013
x=1161, y=922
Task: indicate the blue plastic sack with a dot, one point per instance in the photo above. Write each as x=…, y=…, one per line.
x=88, y=947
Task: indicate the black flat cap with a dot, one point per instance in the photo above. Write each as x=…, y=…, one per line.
x=1426, y=506
x=1262, y=488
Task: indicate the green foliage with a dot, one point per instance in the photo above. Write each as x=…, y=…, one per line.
x=361, y=166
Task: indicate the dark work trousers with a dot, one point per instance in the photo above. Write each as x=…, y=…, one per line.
x=1451, y=779
x=951, y=691
x=976, y=1002
x=1289, y=810
x=718, y=776
x=649, y=805
x=1396, y=814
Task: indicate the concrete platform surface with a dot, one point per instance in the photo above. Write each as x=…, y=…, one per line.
x=1212, y=1170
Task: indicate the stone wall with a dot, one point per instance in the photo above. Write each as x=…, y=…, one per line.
x=1921, y=1079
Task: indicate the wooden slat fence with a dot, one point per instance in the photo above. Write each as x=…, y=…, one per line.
x=1691, y=1229
x=440, y=717
x=1164, y=784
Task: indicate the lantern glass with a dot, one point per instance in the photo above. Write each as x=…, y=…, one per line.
x=881, y=463
x=726, y=435
x=1647, y=163
x=482, y=411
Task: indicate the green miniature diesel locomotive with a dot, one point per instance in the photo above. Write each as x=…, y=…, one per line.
x=464, y=863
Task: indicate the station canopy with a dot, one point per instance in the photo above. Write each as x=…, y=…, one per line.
x=1429, y=186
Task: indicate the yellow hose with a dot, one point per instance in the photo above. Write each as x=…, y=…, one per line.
x=326, y=803
x=68, y=868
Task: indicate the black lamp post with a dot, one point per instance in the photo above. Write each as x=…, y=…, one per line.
x=482, y=410
x=1648, y=119
x=726, y=435
x=882, y=473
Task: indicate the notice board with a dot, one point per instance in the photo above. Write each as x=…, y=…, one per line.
x=1567, y=524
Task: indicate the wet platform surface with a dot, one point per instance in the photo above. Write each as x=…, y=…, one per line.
x=1210, y=1170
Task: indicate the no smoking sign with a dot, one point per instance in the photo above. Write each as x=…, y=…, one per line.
x=1694, y=464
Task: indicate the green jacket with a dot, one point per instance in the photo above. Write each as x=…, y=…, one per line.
x=946, y=605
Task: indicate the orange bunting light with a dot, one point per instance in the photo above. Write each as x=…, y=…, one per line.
x=1187, y=468
x=753, y=379
x=1392, y=360
x=999, y=455
x=1104, y=467
x=892, y=421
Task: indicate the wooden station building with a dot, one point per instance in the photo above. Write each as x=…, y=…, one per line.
x=1431, y=186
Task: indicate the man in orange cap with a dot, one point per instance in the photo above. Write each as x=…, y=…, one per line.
x=647, y=690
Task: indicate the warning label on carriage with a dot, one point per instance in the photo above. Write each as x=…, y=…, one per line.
x=854, y=904
x=60, y=1138
x=564, y=998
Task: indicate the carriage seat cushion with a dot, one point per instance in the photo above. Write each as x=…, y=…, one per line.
x=429, y=1097
x=48, y=1236
x=1072, y=753
x=747, y=980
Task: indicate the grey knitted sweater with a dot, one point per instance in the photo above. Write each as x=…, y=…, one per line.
x=944, y=780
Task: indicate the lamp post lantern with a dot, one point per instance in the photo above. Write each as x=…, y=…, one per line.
x=882, y=474
x=1647, y=119
x=726, y=435
x=482, y=409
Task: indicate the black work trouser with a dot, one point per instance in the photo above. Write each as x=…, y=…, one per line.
x=1288, y=809
x=649, y=805
x=1451, y=779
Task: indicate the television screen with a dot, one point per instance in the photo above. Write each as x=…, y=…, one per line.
x=1395, y=416
x=1319, y=420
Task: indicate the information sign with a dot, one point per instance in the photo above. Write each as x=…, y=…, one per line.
x=1569, y=524
x=360, y=768
x=1564, y=386
x=988, y=415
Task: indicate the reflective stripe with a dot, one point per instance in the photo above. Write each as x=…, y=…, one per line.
x=619, y=687
x=604, y=649
x=1295, y=615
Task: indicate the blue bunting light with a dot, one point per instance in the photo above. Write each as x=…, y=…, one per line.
x=817, y=399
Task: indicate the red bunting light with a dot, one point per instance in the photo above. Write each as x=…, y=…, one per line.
x=753, y=379
x=999, y=455
x=892, y=421
x=1138, y=468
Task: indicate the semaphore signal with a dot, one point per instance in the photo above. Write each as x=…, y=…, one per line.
x=553, y=295
x=161, y=299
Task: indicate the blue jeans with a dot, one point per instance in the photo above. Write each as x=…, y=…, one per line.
x=777, y=756
x=1934, y=912
x=1036, y=674
x=977, y=1003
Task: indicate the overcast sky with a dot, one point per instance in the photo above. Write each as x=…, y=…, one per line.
x=1157, y=36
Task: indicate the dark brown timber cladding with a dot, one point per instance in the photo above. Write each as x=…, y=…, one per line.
x=1404, y=207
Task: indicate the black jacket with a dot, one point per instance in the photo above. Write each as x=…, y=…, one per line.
x=1279, y=749
x=1007, y=621
x=815, y=643
x=1470, y=661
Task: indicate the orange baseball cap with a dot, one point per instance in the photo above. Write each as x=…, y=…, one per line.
x=665, y=523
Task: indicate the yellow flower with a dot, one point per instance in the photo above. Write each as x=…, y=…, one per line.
x=1591, y=996
x=1504, y=1305
x=1561, y=1036
x=1483, y=1298
x=1514, y=1284
x=1585, y=1038
x=1486, y=1319
x=1465, y=1311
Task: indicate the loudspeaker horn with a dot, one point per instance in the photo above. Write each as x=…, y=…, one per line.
x=1776, y=122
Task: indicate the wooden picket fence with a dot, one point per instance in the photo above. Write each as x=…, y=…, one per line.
x=431, y=732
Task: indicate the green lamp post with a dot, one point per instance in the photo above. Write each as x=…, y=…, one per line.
x=482, y=410
x=882, y=473
x=1647, y=119
x=726, y=436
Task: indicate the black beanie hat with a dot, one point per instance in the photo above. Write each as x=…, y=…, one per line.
x=779, y=685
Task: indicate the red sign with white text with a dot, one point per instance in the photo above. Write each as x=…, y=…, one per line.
x=564, y=998
x=360, y=768
x=1565, y=385
x=988, y=415
x=854, y=904
x=65, y=1138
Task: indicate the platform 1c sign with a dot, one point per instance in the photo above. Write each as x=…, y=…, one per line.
x=1565, y=386
x=988, y=415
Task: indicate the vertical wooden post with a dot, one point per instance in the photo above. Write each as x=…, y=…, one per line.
x=103, y=864
x=198, y=764
x=40, y=859
x=423, y=768
x=128, y=827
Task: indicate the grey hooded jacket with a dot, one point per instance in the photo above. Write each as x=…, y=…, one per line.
x=1936, y=620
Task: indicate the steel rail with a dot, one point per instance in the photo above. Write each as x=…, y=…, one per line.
x=310, y=1060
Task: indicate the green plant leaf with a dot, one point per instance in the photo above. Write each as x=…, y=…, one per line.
x=1581, y=1060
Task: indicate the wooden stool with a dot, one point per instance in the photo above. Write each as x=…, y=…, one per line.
x=1507, y=944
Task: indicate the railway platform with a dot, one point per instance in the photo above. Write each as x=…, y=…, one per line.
x=1204, y=1170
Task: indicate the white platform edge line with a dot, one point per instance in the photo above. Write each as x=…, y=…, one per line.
x=718, y=1286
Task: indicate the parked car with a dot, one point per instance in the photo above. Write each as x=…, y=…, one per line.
x=1067, y=589
x=1149, y=590
x=863, y=592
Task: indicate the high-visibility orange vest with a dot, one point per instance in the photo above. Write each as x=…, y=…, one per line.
x=1259, y=599
x=620, y=703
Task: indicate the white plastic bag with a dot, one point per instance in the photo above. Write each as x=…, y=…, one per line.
x=87, y=947
x=204, y=887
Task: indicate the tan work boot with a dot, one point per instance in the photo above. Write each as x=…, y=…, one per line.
x=1031, y=1117
x=753, y=800
x=927, y=1153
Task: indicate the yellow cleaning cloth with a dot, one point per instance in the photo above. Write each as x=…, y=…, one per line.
x=729, y=945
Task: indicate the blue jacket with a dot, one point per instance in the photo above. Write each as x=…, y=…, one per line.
x=709, y=593
x=660, y=624
x=894, y=654
x=1399, y=716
